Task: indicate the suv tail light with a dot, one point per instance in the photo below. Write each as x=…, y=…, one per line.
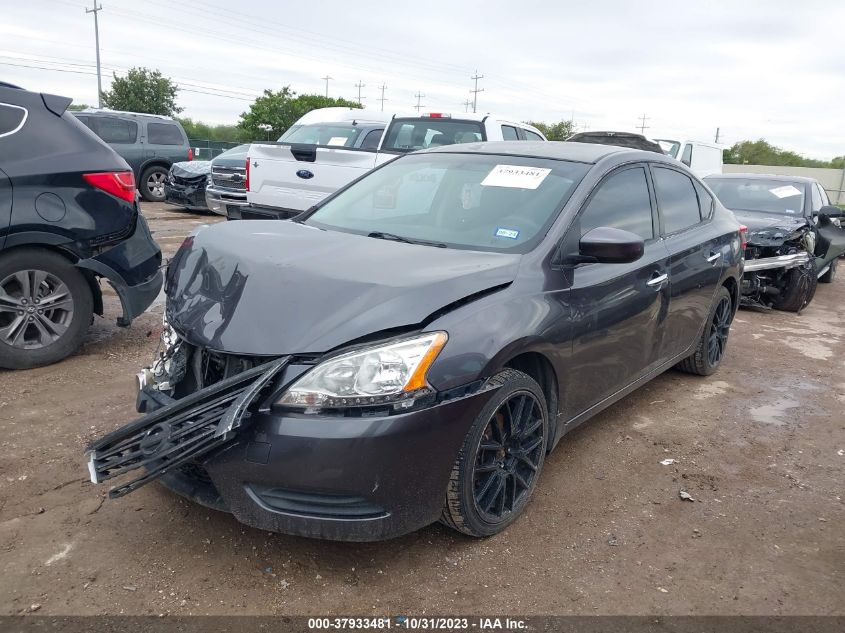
x=190, y=153
x=246, y=177
x=743, y=236
x=437, y=115
x=120, y=184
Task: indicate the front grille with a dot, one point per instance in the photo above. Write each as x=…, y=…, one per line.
x=196, y=180
x=229, y=177
x=312, y=504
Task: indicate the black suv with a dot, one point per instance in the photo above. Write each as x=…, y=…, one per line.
x=68, y=217
x=148, y=142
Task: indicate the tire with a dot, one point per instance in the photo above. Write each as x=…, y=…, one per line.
x=51, y=334
x=510, y=473
x=711, y=347
x=830, y=275
x=152, y=184
x=800, y=290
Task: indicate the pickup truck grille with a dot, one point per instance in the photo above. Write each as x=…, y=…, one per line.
x=229, y=177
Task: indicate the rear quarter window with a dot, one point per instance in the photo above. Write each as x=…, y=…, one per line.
x=532, y=136
x=164, y=134
x=12, y=118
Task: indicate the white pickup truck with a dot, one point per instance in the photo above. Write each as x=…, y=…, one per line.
x=329, y=148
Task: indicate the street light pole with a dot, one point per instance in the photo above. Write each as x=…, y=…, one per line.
x=95, y=10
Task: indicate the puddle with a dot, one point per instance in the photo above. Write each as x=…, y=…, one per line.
x=774, y=413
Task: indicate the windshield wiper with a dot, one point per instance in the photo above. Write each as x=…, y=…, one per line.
x=398, y=238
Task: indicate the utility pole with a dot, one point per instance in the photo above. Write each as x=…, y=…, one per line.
x=476, y=90
x=326, y=79
x=419, y=96
x=643, y=127
x=717, y=135
x=359, y=85
x=95, y=10
x=467, y=104
x=382, y=87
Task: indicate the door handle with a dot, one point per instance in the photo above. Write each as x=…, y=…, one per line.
x=657, y=281
x=713, y=257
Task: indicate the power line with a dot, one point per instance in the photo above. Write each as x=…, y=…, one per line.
x=95, y=11
x=476, y=90
x=360, y=85
x=382, y=87
x=327, y=78
x=419, y=96
x=643, y=127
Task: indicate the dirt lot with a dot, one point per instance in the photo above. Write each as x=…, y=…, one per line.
x=759, y=446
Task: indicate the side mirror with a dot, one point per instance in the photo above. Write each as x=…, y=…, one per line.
x=607, y=245
x=830, y=211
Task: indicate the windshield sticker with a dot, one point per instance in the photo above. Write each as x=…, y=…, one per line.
x=511, y=234
x=515, y=176
x=337, y=140
x=786, y=191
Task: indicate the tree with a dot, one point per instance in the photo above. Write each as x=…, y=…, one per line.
x=761, y=152
x=200, y=130
x=559, y=131
x=281, y=109
x=142, y=90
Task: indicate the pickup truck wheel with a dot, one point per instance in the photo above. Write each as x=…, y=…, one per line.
x=45, y=308
x=829, y=276
x=713, y=343
x=152, y=184
x=800, y=289
x=500, y=460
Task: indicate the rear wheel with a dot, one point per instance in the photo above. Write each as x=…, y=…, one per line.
x=500, y=460
x=830, y=275
x=45, y=308
x=713, y=343
x=800, y=289
x=152, y=184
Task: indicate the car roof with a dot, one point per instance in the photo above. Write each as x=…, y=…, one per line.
x=756, y=176
x=556, y=150
x=106, y=111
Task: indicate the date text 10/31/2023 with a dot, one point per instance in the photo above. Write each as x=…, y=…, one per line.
x=418, y=623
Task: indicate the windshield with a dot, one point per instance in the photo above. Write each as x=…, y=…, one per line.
x=406, y=135
x=469, y=201
x=758, y=194
x=339, y=134
x=670, y=147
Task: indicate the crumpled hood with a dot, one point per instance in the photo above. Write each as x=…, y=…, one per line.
x=191, y=169
x=279, y=287
x=767, y=229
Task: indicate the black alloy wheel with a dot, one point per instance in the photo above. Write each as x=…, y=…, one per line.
x=501, y=458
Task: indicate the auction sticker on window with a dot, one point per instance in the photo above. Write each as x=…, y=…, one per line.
x=786, y=191
x=337, y=140
x=515, y=176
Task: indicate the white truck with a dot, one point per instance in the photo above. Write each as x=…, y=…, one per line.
x=328, y=148
x=704, y=159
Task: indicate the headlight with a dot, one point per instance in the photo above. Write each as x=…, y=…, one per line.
x=390, y=373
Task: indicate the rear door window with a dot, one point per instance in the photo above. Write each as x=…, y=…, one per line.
x=407, y=135
x=114, y=130
x=164, y=134
x=532, y=136
x=509, y=133
x=622, y=201
x=12, y=118
x=815, y=197
x=686, y=157
x=676, y=199
x=823, y=194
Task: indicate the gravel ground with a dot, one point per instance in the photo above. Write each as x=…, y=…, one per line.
x=759, y=446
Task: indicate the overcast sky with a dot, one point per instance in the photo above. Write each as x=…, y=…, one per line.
x=771, y=69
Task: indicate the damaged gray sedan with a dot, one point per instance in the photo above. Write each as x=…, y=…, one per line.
x=794, y=237
x=412, y=348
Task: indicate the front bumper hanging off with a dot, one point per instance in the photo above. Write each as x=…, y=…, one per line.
x=793, y=260
x=188, y=428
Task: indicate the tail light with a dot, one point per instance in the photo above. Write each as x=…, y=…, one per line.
x=190, y=153
x=120, y=184
x=743, y=236
x=437, y=115
x=246, y=177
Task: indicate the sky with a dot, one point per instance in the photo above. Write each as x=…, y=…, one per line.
x=754, y=69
